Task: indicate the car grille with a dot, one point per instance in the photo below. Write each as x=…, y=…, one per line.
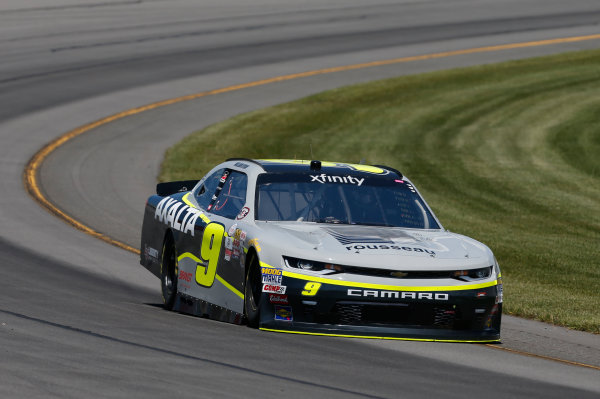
x=361, y=313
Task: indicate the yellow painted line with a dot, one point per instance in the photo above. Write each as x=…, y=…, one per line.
x=388, y=287
x=488, y=343
x=376, y=337
x=30, y=174
x=554, y=359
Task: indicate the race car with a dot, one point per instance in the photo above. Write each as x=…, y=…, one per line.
x=321, y=248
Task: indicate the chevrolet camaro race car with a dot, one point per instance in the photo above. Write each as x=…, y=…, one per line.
x=318, y=248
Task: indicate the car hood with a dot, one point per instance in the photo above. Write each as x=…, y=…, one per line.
x=380, y=247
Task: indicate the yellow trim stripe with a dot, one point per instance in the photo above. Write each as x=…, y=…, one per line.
x=189, y=255
x=231, y=287
x=186, y=200
x=389, y=287
x=363, y=168
x=221, y=279
x=377, y=337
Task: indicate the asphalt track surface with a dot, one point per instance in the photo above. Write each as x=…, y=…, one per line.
x=81, y=318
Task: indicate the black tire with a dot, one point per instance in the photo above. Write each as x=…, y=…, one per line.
x=253, y=293
x=168, y=273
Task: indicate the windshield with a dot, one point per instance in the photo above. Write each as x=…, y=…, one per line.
x=346, y=199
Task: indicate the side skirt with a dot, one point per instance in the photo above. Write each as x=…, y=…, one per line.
x=198, y=307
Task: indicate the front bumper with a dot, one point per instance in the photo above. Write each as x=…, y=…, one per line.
x=332, y=307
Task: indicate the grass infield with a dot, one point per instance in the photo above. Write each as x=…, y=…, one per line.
x=508, y=154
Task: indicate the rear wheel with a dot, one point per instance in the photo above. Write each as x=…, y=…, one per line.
x=168, y=273
x=253, y=293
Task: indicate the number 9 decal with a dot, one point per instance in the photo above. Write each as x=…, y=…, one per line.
x=210, y=251
x=310, y=289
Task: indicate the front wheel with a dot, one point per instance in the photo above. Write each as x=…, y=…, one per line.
x=168, y=273
x=253, y=294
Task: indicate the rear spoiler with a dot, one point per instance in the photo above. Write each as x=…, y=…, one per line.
x=174, y=187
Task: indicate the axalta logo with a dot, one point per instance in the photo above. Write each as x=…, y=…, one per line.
x=394, y=247
x=177, y=215
x=323, y=178
x=434, y=296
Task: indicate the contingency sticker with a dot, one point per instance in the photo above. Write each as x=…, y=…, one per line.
x=228, y=248
x=283, y=313
x=243, y=213
x=277, y=289
x=278, y=298
x=271, y=279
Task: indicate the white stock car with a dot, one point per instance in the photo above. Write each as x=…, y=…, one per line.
x=319, y=248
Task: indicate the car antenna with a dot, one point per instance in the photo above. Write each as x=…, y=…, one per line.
x=311, y=153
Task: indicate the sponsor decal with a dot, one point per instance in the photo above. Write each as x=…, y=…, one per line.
x=323, y=178
x=243, y=213
x=394, y=247
x=185, y=276
x=283, y=313
x=241, y=165
x=271, y=279
x=254, y=242
x=150, y=252
x=243, y=235
x=481, y=294
x=270, y=270
x=277, y=289
x=236, y=244
x=231, y=230
x=177, y=215
x=228, y=248
x=278, y=298
x=435, y=296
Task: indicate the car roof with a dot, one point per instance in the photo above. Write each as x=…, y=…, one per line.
x=305, y=166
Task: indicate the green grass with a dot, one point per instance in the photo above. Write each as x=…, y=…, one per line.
x=508, y=154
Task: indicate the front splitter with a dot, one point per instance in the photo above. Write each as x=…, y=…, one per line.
x=376, y=332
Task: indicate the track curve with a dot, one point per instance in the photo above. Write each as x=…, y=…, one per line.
x=76, y=315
